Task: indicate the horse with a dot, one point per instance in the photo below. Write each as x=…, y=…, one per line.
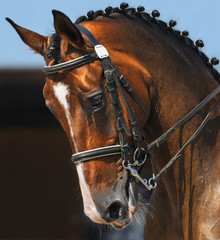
x=118, y=79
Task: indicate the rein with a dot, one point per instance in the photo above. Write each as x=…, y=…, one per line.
x=116, y=80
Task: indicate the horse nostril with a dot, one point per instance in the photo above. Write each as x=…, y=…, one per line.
x=117, y=210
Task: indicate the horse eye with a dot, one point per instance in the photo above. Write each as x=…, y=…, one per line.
x=96, y=102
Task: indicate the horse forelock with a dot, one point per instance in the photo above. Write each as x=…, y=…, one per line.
x=54, y=48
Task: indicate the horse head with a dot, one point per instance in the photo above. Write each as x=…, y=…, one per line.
x=105, y=113
x=80, y=101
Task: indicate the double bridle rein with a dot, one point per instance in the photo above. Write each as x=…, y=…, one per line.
x=132, y=156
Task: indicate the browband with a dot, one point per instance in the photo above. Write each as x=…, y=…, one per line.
x=75, y=63
x=100, y=53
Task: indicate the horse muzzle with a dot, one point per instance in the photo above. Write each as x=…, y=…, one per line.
x=119, y=211
x=118, y=214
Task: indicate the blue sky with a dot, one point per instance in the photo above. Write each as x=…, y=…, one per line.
x=200, y=17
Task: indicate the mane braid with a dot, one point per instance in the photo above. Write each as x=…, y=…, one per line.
x=146, y=17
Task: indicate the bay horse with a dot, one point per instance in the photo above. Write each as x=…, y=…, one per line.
x=117, y=80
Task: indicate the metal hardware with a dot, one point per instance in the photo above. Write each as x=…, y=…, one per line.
x=136, y=160
x=101, y=51
x=154, y=183
x=134, y=173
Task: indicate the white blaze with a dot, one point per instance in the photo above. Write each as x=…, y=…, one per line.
x=89, y=206
x=62, y=93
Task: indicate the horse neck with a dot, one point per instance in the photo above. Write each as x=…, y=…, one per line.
x=182, y=188
x=180, y=81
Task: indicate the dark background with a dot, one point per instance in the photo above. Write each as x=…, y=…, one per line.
x=39, y=191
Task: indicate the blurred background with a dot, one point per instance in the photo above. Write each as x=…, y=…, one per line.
x=39, y=191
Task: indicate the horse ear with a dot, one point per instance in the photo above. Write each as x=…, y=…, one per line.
x=67, y=30
x=34, y=40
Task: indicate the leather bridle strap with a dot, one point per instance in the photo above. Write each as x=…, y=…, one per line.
x=120, y=123
x=167, y=134
x=107, y=64
x=152, y=182
x=135, y=130
x=114, y=80
x=79, y=62
x=172, y=161
x=163, y=138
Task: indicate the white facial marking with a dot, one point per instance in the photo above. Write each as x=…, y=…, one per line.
x=61, y=92
x=89, y=206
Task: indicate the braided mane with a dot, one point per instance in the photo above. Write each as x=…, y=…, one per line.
x=146, y=17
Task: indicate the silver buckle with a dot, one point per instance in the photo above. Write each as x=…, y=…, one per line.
x=101, y=51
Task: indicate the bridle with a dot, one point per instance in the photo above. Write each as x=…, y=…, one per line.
x=132, y=156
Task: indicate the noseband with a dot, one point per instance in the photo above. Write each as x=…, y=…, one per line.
x=132, y=156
